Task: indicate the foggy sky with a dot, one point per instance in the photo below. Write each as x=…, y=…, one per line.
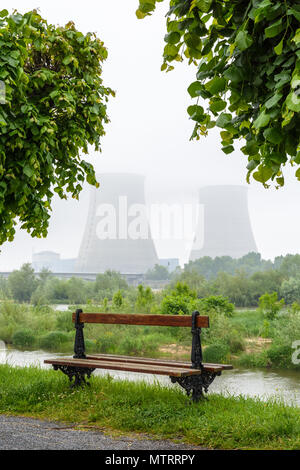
x=149, y=134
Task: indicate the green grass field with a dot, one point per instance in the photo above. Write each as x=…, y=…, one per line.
x=219, y=422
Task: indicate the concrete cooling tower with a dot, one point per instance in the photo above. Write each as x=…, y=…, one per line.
x=117, y=234
x=226, y=226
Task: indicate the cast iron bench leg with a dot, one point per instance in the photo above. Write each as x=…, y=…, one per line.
x=196, y=384
x=76, y=373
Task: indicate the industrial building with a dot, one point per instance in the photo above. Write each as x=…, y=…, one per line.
x=226, y=229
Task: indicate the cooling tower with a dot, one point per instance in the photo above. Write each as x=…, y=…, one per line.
x=117, y=234
x=226, y=226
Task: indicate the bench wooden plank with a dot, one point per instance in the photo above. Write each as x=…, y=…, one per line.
x=202, y=321
x=157, y=362
x=126, y=366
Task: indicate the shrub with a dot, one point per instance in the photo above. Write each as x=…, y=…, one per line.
x=215, y=353
x=117, y=300
x=280, y=355
x=139, y=346
x=265, y=330
x=106, y=343
x=23, y=339
x=175, y=305
x=235, y=342
x=217, y=303
x=270, y=305
x=90, y=345
x=53, y=340
x=64, y=321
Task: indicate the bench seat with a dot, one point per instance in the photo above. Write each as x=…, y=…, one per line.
x=157, y=362
x=128, y=364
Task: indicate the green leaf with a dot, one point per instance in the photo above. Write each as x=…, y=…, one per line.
x=273, y=135
x=228, y=149
x=278, y=48
x=234, y=73
x=263, y=174
x=295, y=13
x=28, y=171
x=204, y=5
x=217, y=105
x=194, y=89
x=252, y=165
x=3, y=13
x=273, y=100
x=293, y=102
x=262, y=120
x=216, y=85
x=173, y=37
x=196, y=113
x=274, y=29
x=243, y=40
x=170, y=50
x=67, y=60
x=223, y=120
x=296, y=38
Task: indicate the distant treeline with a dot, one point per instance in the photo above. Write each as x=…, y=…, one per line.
x=243, y=281
x=249, y=264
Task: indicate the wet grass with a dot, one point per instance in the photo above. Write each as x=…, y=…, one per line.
x=219, y=422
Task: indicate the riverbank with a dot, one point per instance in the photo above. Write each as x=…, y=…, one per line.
x=245, y=339
x=161, y=412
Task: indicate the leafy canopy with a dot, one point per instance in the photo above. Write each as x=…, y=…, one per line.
x=54, y=107
x=247, y=54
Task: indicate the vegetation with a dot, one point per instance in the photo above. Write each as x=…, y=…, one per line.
x=229, y=338
x=162, y=412
x=159, y=273
x=261, y=337
x=247, y=58
x=54, y=108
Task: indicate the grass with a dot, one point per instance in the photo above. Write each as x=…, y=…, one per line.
x=250, y=322
x=161, y=412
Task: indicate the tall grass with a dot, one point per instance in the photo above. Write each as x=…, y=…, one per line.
x=219, y=422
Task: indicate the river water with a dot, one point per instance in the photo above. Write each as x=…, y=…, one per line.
x=280, y=384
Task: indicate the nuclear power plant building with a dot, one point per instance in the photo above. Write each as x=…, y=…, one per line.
x=117, y=233
x=226, y=226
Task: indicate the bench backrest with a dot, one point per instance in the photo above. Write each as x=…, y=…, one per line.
x=202, y=321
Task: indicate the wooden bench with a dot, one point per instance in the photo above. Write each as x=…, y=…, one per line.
x=194, y=377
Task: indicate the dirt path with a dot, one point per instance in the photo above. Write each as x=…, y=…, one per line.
x=19, y=433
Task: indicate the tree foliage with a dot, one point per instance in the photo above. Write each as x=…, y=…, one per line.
x=54, y=108
x=248, y=72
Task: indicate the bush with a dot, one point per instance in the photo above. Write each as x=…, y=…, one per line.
x=106, y=343
x=280, y=355
x=175, y=305
x=217, y=303
x=235, y=342
x=270, y=305
x=64, y=321
x=216, y=353
x=23, y=339
x=90, y=345
x=139, y=346
x=53, y=340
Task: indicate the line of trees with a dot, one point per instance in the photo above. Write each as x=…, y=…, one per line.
x=242, y=281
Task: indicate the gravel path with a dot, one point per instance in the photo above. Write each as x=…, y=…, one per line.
x=18, y=433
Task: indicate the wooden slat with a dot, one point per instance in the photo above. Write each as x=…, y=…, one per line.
x=138, y=319
x=148, y=360
x=134, y=367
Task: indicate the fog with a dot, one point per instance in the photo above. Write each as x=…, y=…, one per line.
x=149, y=134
